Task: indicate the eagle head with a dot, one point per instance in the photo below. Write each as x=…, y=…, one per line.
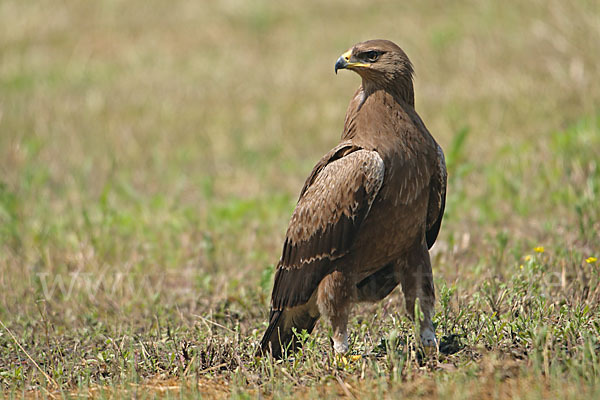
x=381, y=64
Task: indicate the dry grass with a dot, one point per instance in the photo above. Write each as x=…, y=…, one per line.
x=151, y=153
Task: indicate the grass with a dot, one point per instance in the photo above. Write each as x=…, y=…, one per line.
x=151, y=154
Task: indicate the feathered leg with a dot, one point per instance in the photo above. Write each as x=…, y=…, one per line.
x=335, y=294
x=417, y=283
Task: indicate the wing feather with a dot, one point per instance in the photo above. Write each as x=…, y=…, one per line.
x=334, y=202
x=437, y=200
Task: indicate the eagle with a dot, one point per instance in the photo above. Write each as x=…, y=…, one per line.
x=367, y=214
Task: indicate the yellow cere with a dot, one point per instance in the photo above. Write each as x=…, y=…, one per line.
x=539, y=249
x=347, y=55
x=591, y=260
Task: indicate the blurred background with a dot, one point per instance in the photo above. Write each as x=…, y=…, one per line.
x=151, y=152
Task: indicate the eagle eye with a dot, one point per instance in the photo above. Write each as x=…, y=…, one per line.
x=370, y=56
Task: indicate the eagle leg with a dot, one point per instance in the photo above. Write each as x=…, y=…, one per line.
x=335, y=295
x=417, y=283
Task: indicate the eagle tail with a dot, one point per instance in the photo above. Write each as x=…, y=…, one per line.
x=279, y=339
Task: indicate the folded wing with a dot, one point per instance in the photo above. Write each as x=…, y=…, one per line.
x=437, y=199
x=334, y=202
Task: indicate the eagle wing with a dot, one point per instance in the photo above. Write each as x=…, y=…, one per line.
x=437, y=199
x=334, y=201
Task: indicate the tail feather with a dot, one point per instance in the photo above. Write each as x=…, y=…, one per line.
x=279, y=337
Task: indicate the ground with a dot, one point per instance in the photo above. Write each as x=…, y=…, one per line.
x=151, y=153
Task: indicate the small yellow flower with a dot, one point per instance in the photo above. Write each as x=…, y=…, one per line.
x=521, y=266
x=527, y=257
x=591, y=260
x=539, y=249
x=355, y=357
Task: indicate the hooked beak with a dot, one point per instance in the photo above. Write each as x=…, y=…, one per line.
x=341, y=63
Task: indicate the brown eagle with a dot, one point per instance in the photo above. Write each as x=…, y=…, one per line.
x=368, y=213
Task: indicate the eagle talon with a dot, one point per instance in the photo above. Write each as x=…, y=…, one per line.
x=428, y=342
x=341, y=345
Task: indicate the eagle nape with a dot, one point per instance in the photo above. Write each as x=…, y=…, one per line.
x=367, y=214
